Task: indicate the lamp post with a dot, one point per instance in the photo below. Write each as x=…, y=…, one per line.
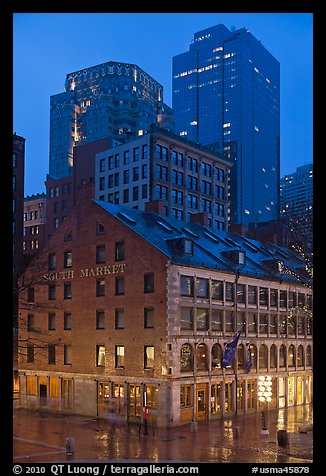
x=264, y=396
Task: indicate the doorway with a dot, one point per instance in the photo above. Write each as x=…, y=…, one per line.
x=43, y=394
x=201, y=402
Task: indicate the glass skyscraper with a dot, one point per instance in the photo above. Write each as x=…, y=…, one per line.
x=226, y=94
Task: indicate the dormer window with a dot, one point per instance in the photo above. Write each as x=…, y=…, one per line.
x=188, y=247
x=242, y=257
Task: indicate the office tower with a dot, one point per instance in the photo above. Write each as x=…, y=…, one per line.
x=226, y=93
x=116, y=100
x=296, y=199
x=189, y=180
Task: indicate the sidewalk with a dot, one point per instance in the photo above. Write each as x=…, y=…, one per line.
x=41, y=437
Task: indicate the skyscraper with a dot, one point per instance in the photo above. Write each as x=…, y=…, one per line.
x=296, y=198
x=117, y=100
x=226, y=94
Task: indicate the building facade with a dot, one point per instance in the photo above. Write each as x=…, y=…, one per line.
x=226, y=93
x=18, y=200
x=34, y=223
x=296, y=201
x=187, y=178
x=138, y=308
x=113, y=99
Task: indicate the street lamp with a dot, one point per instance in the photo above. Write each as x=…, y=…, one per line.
x=264, y=396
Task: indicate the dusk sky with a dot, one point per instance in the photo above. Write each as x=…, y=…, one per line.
x=47, y=46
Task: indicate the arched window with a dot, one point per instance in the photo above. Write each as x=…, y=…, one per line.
x=263, y=356
x=68, y=236
x=217, y=355
x=282, y=356
x=186, y=358
x=253, y=350
x=241, y=356
x=273, y=356
x=308, y=356
x=201, y=357
x=291, y=356
x=300, y=356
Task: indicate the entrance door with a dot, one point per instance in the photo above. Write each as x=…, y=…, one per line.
x=201, y=402
x=43, y=394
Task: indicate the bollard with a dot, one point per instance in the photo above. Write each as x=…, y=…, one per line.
x=70, y=445
x=282, y=438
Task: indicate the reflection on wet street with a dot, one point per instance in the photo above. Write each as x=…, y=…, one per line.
x=41, y=437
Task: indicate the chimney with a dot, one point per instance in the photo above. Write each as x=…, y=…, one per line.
x=239, y=228
x=201, y=218
x=156, y=206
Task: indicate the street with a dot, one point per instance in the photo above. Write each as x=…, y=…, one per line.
x=41, y=437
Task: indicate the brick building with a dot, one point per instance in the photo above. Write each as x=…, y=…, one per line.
x=129, y=308
x=34, y=223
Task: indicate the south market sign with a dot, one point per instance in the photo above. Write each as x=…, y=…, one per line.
x=86, y=272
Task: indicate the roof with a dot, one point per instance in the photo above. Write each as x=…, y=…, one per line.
x=213, y=249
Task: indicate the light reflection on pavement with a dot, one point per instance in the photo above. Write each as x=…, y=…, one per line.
x=41, y=437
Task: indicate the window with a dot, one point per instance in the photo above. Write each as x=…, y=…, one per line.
x=186, y=318
x=100, y=319
x=149, y=357
x=217, y=290
x=135, y=174
x=201, y=357
x=100, y=356
x=273, y=324
x=67, y=354
x=273, y=356
x=282, y=354
x=30, y=295
x=217, y=355
x=263, y=356
x=51, y=321
x=119, y=286
x=30, y=353
x=202, y=287
x=217, y=320
x=67, y=290
x=148, y=317
x=68, y=236
x=202, y=319
x=52, y=261
x=187, y=286
x=229, y=321
x=252, y=323
x=51, y=292
x=67, y=259
x=100, y=254
x=120, y=251
x=30, y=322
x=119, y=356
x=67, y=321
x=119, y=319
x=126, y=176
x=263, y=296
x=291, y=356
x=100, y=287
x=149, y=283
x=241, y=293
x=252, y=295
x=185, y=396
x=30, y=385
x=229, y=290
x=51, y=354
x=283, y=298
x=273, y=295
x=100, y=230
x=186, y=358
x=263, y=323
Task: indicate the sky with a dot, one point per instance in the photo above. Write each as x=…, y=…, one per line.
x=48, y=46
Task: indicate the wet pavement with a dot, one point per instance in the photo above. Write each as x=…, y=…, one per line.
x=41, y=437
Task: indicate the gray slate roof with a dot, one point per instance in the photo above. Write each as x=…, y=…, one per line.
x=213, y=249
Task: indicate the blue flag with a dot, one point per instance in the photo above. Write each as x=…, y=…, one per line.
x=230, y=350
x=249, y=360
